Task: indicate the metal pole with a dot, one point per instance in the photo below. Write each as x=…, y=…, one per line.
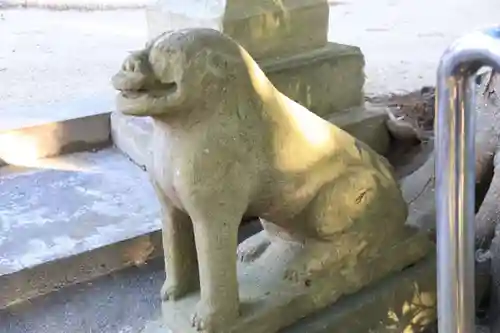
x=455, y=175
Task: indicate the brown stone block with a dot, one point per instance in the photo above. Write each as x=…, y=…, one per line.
x=324, y=80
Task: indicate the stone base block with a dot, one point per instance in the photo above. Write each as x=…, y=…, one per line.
x=266, y=28
x=270, y=303
x=402, y=302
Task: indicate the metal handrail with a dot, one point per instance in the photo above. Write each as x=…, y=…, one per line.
x=455, y=175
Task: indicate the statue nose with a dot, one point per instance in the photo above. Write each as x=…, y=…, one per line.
x=126, y=80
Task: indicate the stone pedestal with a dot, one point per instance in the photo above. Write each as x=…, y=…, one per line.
x=404, y=301
x=270, y=303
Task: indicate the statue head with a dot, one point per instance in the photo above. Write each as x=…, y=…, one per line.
x=177, y=71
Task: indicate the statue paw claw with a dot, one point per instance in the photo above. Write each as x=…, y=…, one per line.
x=171, y=291
x=252, y=248
x=297, y=274
x=197, y=322
x=206, y=319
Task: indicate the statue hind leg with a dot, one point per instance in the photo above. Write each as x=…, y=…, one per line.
x=350, y=218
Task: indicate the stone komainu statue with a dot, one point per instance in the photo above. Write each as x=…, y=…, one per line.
x=227, y=144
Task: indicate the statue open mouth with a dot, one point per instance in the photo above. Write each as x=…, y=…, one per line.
x=159, y=90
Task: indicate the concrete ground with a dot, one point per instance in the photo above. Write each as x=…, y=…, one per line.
x=118, y=303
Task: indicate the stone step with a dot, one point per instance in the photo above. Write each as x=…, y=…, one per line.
x=367, y=123
x=73, y=218
x=25, y=143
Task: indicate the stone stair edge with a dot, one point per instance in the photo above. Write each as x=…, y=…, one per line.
x=53, y=275
x=93, y=252
x=54, y=138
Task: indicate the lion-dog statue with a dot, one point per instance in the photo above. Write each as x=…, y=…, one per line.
x=227, y=144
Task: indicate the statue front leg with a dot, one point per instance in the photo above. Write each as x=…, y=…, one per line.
x=216, y=243
x=179, y=250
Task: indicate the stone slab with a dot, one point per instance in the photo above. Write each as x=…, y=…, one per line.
x=23, y=146
x=56, y=215
x=270, y=303
x=266, y=28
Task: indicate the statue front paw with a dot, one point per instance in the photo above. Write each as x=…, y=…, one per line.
x=208, y=319
x=296, y=274
x=201, y=321
x=172, y=291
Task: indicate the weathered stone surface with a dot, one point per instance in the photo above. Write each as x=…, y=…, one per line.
x=25, y=145
x=265, y=28
x=225, y=137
